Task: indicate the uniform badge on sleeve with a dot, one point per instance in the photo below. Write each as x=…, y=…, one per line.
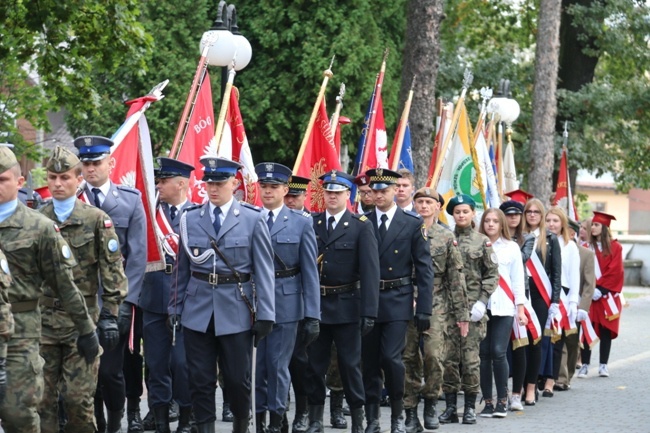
x=112, y=246
x=65, y=251
x=56, y=228
x=108, y=223
x=423, y=230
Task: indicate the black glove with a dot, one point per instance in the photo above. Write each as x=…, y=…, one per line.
x=310, y=329
x=261, y=328
x=174, y=321
x=3, y=379
x=365, y=325
x=88, y=346
x=125, y=317
x=422, y=322
x=603, y=290
x=109, y=335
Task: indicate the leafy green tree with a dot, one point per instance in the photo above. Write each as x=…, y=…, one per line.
x=49, y=48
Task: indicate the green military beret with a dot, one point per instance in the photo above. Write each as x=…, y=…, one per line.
x=7, y=159
x=460, y=199
x=574, y=225
x=62, y=160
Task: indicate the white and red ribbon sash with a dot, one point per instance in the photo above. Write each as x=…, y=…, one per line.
x=533, y=326
x=538, y=274
x=519, y=337
x=587, y=334
x=506, y=288
x=168, y=238
x=84, y=197
x=566, y=324
x=612, y=312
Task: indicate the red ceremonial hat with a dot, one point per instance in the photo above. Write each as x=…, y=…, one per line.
x=603, y=218
x=362, y=179
x=344, y=120
x=519, y=195
x=44, y=192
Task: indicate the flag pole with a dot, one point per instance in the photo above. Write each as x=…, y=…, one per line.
x=467, y=81
x=486, y=93
x=191, y=100
x=565, y=140
x=402, y=128
x=373, y=113
x=327, y=74
x=224, y=107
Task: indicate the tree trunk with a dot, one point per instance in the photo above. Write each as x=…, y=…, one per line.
x=421, y=59
x=544, y=100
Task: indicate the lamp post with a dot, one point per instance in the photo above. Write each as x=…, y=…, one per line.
x=229, y=48
x=507, y=110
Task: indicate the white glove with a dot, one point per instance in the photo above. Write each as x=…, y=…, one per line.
x=582, y=315
x=597, y=295
x=553, y=310
x=573, y=312
x=478, y=311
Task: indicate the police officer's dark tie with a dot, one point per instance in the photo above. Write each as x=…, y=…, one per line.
x=96, y=192
x=172, y=212
x=269, y=220
x=217, y=222
x=330, y=225
x=382, y=227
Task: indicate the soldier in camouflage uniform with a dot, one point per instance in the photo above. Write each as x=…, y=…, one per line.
x=6, y=322
x=90, y=233
x=37, y=255
x=481, y=270
x=449, y=304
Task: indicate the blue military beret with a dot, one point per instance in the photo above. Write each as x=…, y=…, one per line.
x=93, y=147
x=337, y=180
x=272, y=172
x=460, y=199
x=217, y=169
x=169, y=167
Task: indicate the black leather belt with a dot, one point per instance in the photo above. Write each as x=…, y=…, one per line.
x=284, y=273
x=216, y=279
x=169, y=268
x=391, y=284
x=335, y=290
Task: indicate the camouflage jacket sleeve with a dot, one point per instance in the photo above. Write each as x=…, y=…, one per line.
x=457, y=289
x=57, y=262
x=490, y=274
x=6, y=318
x=111, y=271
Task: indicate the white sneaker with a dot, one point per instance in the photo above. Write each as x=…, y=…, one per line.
x=602, y=371
x=515, y=403
x=584, y=370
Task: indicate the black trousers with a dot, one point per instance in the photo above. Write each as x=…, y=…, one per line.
x=493, y=356
x=347, y=338
x=605, y=347
x=233, y=351
x=133, y=363
x=298, y=365
x=534, y=351
x=382, y=351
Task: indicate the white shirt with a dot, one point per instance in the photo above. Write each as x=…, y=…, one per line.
x=390, y=214
x=511, y=269
x=276, y=212
x=337, y=217
x=103, y=192
x=224, y=210
x=570, y=269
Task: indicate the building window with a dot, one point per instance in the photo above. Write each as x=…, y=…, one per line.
x=598, y=206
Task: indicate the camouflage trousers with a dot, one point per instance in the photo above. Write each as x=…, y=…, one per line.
x=333, y=378
x=66, y=373
x=428, y=360
x=19, y=411
x=463, y=354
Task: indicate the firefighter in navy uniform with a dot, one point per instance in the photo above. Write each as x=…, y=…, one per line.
x=349, y=285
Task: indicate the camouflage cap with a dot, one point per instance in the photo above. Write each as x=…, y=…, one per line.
x=7, y=159
x=62, y=160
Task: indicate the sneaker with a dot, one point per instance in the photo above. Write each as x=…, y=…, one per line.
x=488, y=410
x=500, y=411
x=584, y=370
x=602, y=371
x=515, y=403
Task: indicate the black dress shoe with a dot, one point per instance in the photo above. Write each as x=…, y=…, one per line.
x=226, y=413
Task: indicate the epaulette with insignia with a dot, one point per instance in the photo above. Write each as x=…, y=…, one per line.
x=128, y=189
x=301, y=213
x=192, y=207
x=361, y=217
x=250, y=206
x=412, y=214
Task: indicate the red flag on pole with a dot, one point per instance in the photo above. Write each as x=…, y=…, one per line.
x=234, y=146
x=563, y=197
x=134, y=168
x=200, y=130
x=320, y=156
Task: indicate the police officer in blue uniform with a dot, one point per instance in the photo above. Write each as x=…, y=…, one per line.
x=349, y=283
x=165, y=353
x=403, y=246
x=222, y=243
x=297, y=295
x=124, y=205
